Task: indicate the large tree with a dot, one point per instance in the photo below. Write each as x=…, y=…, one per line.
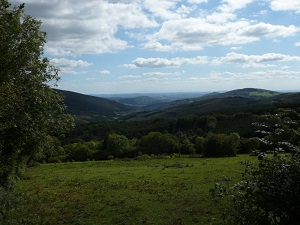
x=30, y=110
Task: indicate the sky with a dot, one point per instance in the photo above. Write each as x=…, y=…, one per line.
x=157, y=46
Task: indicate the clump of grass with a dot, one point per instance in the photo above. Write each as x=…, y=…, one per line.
x=177, y=165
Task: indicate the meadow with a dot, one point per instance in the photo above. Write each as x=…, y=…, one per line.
x=151, y=191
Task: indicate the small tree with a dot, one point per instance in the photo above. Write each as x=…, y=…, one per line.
x=199, y=142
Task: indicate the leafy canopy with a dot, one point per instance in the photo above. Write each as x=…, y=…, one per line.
x=30, y=110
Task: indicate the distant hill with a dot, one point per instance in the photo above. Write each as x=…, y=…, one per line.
x=91, y=108
x=241, y=100
x=153, y=101
x=140, y=101
x=253, y=93
x=80, y=104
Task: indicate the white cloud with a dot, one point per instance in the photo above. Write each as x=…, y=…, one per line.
x=196, y=34
x=254, y=60
x=197, y=1
x=151, y=79
x=68, y=66
x=242, y=60
x=156, y=46
x=268, y=30
x=156, y=62
x=285, y=5
x=159, y=74
x=79, y=27
x=130, y=77
x=297, y=44
x=163, y=62
x=220, y=17
x=68, y=63
x=58, y=52
x=104, y=72
x=256, y=76
x=235, y=48
x=232, y=5
x=164, y=9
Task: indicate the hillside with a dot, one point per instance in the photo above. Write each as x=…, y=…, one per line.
x=249, y=93
x=242, y=100
x=140, y=101
x=91, y=108
x=252, y=93
x=153, y=101
x=80, y=104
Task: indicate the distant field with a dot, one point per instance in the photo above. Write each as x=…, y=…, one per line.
x=156, y=191
x=265, y=94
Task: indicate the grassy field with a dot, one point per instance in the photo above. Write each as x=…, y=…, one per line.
x=155, y=191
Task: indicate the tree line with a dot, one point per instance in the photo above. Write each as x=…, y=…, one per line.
x=154, y=143
x=216, y=135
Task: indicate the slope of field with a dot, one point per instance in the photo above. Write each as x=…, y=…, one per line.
x=153, y=191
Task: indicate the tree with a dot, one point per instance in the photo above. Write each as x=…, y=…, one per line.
x=248, y=145
x=78, y=152
x=119, y=145
x=199, y=142
x=30, y=110
x=218, y=145
x=158, y=143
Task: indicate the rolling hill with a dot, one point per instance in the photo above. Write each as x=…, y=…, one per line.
x=86, y=105
x=242, y=100
x=91, y=108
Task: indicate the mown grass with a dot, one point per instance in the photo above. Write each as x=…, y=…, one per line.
x=155, y=191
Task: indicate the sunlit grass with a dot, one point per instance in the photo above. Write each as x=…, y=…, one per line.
x=155, y=191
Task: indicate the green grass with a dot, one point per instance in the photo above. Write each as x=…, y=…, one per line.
x=156, y=191
x=265, y=94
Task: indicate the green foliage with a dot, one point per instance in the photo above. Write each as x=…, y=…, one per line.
x=216, y=145
x=269, y=193
x=248, y=145
x=78, y=152
x=158, y=143
x=278, y=132
x=30, y=111
x=199, y=145
x=119, y=146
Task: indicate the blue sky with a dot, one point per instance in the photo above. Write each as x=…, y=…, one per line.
x=140, y=46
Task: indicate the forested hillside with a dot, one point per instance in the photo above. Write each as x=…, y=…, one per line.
x=221, y=126
x=92, y=108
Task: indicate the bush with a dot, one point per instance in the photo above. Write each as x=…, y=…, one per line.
x=248, y=145
x=269, y=194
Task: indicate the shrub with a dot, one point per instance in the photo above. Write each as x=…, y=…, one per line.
x=269, y=194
